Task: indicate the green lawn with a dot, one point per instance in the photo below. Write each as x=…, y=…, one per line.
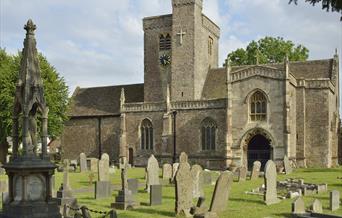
x=239, y=204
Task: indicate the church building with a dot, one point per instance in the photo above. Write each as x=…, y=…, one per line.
x=219, y=116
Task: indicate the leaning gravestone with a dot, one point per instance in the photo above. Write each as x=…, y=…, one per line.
x=197, y=181
x=270, y=195
x=167, y=171
x=183, y=188
x=174, y=170
x=83, y=162
x=287, y=165
x=298, y=206
x=334, y=200
x=316, y=207
x=242, y=174
x=152, y=172
x=256, y=170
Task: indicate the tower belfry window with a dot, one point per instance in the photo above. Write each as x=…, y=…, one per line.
x=164, y=42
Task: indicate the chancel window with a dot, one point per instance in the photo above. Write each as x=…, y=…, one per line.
x=208, y=133
x=164, y=42
x=146, y=130
x=258, y=104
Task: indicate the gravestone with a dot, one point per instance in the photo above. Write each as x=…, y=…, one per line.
x=4, y=185
x=334, y=200
x=152, y=172
x=242, y=174
x=124, y=200
x=167, y=171
x=183, y=189
x=93, y=164
x=207, y=177
x=221, y=192
x=174, y=170
x=321, y=188
x=197, y=181
x=287, y=165
x=183, y=158
x=316, y=207
x=103, y=169
x=83, y=163
x=270, y=195
x=298, y=206
x=133, y=185
x=155, y=195
x=256, y=170
x=102, y=189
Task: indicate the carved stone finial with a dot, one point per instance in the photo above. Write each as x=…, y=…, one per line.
x=30, y=27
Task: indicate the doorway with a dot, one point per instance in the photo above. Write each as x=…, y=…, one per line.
x=259, y=148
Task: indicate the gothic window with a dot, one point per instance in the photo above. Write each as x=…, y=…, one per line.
x=208, y=133
x=258, y=104
x=146, y=130
x=210, y=45
x=164, y=42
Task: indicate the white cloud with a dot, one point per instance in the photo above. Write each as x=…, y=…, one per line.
x=100, y=42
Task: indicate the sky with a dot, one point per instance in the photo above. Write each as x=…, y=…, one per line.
x=100, y=43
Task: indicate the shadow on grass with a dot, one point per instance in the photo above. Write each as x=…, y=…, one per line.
x=331, y=170
x=152, y=211
x=247, y=200
x=287, y=215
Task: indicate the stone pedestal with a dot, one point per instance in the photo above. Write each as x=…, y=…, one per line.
x=102, y=189
x=124, y=200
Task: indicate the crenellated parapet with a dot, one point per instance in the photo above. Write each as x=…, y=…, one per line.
x=157, y=22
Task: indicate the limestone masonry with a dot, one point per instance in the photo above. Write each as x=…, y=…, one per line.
x=230, y=115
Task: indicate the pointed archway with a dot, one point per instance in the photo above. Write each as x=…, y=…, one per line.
x=257, y=145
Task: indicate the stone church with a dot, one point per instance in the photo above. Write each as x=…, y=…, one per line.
x=219, y=116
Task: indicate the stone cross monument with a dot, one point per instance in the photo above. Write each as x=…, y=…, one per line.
x=29, y=172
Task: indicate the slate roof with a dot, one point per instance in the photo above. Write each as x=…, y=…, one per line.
x=103, y=101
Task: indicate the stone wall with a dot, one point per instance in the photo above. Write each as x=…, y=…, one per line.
x=82, y=135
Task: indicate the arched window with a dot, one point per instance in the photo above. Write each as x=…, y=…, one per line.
x=164, y=42
x=258, y=104
x=146, y=130
x=208, y=133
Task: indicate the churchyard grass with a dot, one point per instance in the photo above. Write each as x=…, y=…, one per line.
x=239, y=204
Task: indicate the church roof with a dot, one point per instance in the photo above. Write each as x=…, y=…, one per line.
x=103, y=101
x=215, y=84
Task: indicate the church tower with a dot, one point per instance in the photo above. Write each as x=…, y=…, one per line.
x=194, y=49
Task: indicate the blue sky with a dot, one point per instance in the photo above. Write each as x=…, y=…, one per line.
x=99, y=43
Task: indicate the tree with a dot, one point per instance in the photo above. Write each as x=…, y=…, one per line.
x=55, y=88
x=328, y=5
x=268, y=50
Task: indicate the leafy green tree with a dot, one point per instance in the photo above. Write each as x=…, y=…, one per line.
x=328, y=5
x=55, y=88
x=268, y=50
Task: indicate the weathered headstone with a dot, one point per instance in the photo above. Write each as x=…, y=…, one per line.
x=270, y=195
x=103, y=170
x=4, y=185
x=183, y=189
x=321, y=188
x=316, y=206
x=298, y=206
x=156, y=195
x=242, y=174
x=197, y=181
x=83, y=163
x=133, y=185
x=102, y=189
x=93, y=164
x=183, y=158
x=287, y=165
x=334, y=200
x=207, y=177
x=152, y=172
x=174, y=170
x=256, y=170
x=167, y=171
x=221, y=192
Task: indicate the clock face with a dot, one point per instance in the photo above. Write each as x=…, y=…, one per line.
x=165, y=60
